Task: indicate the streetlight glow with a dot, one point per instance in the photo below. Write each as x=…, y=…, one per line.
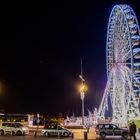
x=83, y=88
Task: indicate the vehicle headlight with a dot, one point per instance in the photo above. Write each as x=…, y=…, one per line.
x=25, y=129
x=42, y=131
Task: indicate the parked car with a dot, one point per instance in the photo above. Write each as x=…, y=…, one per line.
x=54, y=130
x=13, y=129
x=111, y=129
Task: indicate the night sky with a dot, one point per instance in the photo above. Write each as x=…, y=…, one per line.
x=40, y=58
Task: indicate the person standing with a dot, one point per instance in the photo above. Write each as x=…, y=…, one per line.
x=133, y=130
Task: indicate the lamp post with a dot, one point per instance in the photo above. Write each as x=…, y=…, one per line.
x=83, y=89
x=37, y=125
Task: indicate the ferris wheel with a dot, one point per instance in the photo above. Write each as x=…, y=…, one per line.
x=123, y=66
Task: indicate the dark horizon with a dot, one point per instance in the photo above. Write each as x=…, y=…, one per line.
x=40, y=67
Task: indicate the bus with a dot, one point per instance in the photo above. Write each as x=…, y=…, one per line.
x=30, y=120
x=20, y=118
x=25, y=119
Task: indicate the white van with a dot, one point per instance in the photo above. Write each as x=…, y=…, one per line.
x=54, y=130
x=13, y=129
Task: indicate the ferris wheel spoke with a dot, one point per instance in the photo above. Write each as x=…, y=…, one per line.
x=123, y=44
x=101, y=111
x=124, y=52
x=121, y=21
x=123, y=25
x=125, y=74
x=124, y=37
x=118, y=97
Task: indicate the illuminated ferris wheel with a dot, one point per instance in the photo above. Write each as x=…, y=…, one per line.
x=123, y=66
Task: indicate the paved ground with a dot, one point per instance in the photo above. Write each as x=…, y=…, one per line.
x=54, y=138
x=30, y=138
x=119, y=137
x=44, y=138
x=78, y=135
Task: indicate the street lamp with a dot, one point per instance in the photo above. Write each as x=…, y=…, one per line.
x=82, y=89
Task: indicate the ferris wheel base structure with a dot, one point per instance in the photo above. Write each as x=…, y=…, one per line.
x=122, y=92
